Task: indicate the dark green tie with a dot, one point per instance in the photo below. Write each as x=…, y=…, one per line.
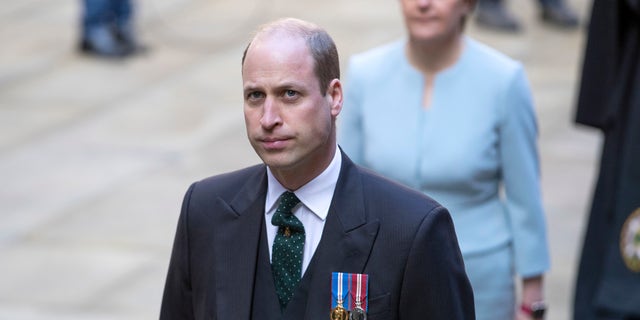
x=286, y=256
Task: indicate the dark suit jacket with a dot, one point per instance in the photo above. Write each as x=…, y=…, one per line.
x=402, y=239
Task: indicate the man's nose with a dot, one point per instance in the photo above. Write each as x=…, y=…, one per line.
x=424, y=3
x=270, y=114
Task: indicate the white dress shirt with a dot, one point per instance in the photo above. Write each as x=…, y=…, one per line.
x=315, y=199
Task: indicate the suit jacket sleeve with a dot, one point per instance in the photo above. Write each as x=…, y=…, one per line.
x=437, y=286
x=177, y=300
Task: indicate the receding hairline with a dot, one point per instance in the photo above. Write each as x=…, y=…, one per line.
x=287, y=26
x=320, y=45
x=291, y=26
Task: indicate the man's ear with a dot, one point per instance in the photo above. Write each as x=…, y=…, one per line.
x=335, y=96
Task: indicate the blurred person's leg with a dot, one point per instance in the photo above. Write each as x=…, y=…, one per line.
x=124, y=26
x=558, y=13
x=493, y=14
x=97, y=31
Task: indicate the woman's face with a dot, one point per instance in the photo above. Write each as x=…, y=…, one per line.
x=431, y=20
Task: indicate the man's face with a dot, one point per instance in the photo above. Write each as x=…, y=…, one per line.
x=290, y=121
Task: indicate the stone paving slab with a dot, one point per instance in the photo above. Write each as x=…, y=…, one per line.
x=96, y=155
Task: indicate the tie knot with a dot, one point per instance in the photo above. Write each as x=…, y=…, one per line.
x=288, y=200
x=283, y=216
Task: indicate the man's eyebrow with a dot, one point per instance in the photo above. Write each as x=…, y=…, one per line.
x=290, y=85
x=250, y=87
x=281, y=86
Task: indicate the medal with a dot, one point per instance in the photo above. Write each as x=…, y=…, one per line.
x=339, y=290
x=630, y=241
x=339, y=313
x=358, y=314
x=359, y=288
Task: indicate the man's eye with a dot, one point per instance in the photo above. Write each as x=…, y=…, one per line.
x=254, y=95
x=290, y=93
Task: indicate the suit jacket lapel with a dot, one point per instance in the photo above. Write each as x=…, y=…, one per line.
x=345, y=246
x=236, y=249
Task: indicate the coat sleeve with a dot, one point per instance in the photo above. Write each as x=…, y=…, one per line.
x=436, y=285
x=177, y=300
x=599, y=62
x=521, y=178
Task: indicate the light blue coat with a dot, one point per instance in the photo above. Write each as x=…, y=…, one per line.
x=473, y=150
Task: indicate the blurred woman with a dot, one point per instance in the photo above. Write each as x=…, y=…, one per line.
x=445, y=114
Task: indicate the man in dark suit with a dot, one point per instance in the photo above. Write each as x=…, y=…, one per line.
x=227, y=260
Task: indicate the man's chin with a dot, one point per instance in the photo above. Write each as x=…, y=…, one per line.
x=276, y=161
x=278, y=165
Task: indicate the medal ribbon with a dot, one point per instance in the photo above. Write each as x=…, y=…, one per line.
x=359, y=291
x=339, y=289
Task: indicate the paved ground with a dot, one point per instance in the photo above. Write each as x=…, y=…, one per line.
x=95, y=155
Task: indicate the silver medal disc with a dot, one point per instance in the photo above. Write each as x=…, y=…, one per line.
x=357, y=314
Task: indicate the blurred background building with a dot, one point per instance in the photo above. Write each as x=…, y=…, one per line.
x=96, y=154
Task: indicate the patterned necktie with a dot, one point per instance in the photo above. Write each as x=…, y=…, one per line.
x=286, y=257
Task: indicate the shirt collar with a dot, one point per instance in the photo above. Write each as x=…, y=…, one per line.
x=315, y=195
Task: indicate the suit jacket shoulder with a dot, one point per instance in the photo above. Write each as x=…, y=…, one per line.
x=226, y=185
x=208, y=260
